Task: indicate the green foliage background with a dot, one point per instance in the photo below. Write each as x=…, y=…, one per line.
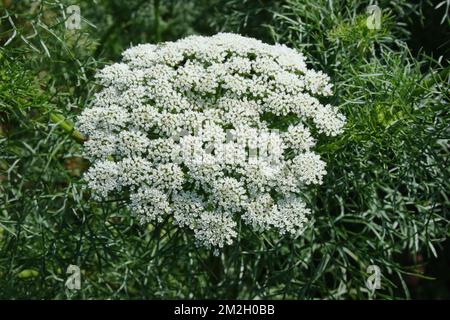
x=383, y=202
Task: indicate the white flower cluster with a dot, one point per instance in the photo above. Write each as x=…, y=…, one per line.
x=209, y=130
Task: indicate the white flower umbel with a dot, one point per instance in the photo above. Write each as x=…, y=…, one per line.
x=205, y=131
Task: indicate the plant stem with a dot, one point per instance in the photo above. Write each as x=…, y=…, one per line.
x=66, y=126
x=156, y=17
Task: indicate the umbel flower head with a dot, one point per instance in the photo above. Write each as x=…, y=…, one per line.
x=207, y=131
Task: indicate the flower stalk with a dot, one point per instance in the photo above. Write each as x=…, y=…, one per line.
x=67, y=127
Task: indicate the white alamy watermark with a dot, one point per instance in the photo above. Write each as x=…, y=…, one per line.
x=373, y=282
x=73, y=20
x=253, y=146
x=73, y=282
x=374, y=19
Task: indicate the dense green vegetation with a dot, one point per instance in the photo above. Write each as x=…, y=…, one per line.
x=384, y=201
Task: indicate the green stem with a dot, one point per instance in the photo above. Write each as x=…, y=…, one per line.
x=157, y=28
x=67, y=127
